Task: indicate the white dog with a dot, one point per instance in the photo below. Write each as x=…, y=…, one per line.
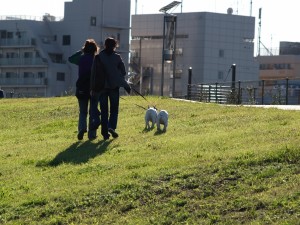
x=151, y=116
x=162, y=118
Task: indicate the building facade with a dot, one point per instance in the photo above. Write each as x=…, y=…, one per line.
x=282, y=66
x=34, y=53
x=207, y=43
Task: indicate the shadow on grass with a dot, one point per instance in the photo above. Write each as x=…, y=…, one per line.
x=80, y=152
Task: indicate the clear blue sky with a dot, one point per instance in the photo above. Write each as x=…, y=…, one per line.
x=279, y=20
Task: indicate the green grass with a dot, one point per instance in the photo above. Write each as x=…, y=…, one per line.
x=215, y=165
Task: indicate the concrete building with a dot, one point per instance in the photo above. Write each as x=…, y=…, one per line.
x=282, y=66
x=34, y=53
x=209, y=43
x=281, y=73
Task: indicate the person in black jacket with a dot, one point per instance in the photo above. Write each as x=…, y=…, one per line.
x=108, y=75
x=84, y=59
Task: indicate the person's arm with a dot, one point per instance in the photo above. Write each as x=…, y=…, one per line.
x=122, y=69
x=74, y=59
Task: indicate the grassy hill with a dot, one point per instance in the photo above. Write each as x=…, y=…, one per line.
x=215, y=165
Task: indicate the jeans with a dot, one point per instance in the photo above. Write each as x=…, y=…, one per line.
x=83, y=113
x=109, y=106
x=84, y=110
x=94, y=112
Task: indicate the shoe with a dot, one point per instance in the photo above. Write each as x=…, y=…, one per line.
x=106, y=137
x=80, y=134
x=92, y=137
x=113, y=133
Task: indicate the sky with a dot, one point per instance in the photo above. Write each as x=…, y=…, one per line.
x=279, y=18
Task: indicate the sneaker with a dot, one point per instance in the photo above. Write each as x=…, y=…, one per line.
x=80, y=134
x=92, y=137
x=106, y=137
x=113, y=133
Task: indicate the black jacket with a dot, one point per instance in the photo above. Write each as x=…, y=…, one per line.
x=108, y=71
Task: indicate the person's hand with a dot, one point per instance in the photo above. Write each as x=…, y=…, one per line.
x=127, y=89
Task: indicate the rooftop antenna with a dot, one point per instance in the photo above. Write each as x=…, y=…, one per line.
x=181, y=5
x=250, y=7
x=259, y=31
x=135, y=7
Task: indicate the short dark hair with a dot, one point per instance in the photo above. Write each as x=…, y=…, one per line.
x=110, y=43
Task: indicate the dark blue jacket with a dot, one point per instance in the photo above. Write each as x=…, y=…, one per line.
x=84, y=62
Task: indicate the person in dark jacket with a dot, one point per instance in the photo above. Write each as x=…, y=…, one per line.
x=108, y=75
x=84, y=59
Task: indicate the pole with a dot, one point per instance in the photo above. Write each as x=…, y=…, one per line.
x=174, y=57
x=190, y=83
x=233, y=76
x=163, y=62
x=141, y=68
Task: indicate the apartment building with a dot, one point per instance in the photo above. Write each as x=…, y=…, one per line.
x=34, y=52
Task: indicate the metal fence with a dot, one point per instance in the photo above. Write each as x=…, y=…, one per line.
x=262, y=92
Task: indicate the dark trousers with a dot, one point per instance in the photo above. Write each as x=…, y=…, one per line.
x=83, y=113
x=88, y=109
x=109, y=106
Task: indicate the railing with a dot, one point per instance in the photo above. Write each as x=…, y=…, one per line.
x=23, y=81
x=22, y=61
x=262, y=92
x=36, y=18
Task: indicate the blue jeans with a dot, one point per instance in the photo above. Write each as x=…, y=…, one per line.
x=83, y=113
x=109, y=106
x=94, y=112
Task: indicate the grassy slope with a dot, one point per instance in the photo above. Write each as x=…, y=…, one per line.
x=215, y=164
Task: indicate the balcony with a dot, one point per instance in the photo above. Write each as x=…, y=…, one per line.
x=23, y=62
x=20, y=42
x=24, y=82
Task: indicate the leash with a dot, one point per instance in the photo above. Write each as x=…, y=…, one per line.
x=139, y=94
x=135, y=104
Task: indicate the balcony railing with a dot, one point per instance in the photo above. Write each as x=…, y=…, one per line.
x=23, y=62
x=6, y=43
x=23, y=81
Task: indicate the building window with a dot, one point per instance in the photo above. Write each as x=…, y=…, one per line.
x=66, y=40
x=41, y=74
x=28, y=75
x=93, y=21
x=221, y=53
x=28, y=55
x=11, y=75
x=60, y=76
x=56, y=57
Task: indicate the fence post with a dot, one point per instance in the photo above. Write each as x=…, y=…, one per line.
x=209, y=87
x=262, y=92
x=201, y=92
x=287, y=91
x=190, y=83
x=239, y=93
x=216, y=92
